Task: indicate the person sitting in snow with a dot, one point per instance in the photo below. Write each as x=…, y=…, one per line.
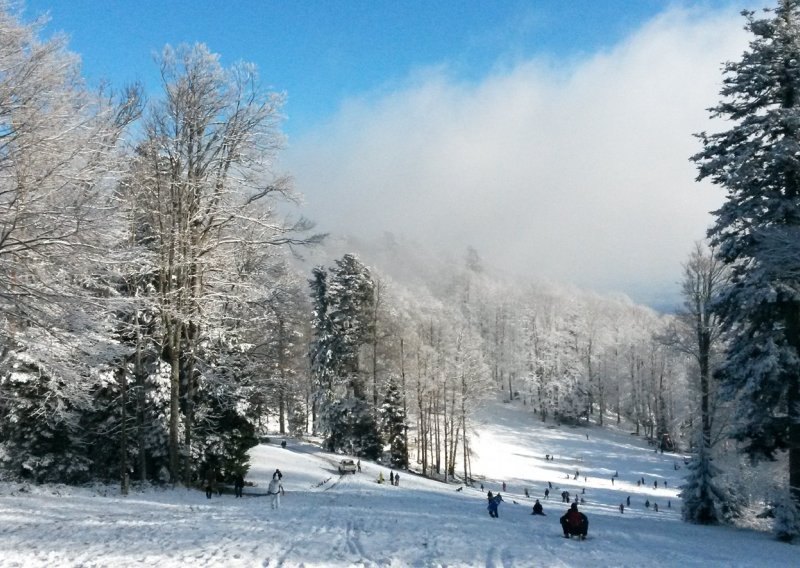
x=538, y=509
x=574, y=523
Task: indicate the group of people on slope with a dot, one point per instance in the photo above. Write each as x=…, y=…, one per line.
x=573, y=522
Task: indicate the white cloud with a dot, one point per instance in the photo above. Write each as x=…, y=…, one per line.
x=575, y=171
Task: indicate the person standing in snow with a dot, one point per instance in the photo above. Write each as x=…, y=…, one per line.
x=275, y=490
x=358, y=466
x=494, y=503
x=397, y=480
x=211, y=482
x=547, y=493
x=391, y=477
x=238, y=485
x=504, y=486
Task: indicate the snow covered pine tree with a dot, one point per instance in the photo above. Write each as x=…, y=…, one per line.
x=757, y=231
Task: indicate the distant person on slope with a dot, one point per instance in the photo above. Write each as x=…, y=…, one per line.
x=574, y=523
x=538, y=509
x=275, y=489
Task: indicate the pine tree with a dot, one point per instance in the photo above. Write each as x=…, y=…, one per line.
x=394, y=425
x=696, y=333
x=700, y=493
x=757, y=230
x=342, y=300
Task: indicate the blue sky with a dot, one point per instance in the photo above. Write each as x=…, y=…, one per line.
x=552, y=136
x=322, y=52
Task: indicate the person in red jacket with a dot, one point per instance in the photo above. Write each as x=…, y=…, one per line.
x=574, y=523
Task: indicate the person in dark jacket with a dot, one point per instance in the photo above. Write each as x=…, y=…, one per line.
x=494, y=503
x=238, y=485
x=537, y=508
x=574, y=523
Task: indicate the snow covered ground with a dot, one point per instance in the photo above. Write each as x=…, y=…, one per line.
x=337, y=521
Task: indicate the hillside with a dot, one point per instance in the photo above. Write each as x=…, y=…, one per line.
x=332, y=520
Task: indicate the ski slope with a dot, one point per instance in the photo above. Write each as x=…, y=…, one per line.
x=341, y=521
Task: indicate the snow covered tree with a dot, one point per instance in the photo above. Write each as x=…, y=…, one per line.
x=699, y=492
x=394, y=425
x=58, y=154
x=342, y=314
x=697, y=333
x=204, y=180
x=757, y=230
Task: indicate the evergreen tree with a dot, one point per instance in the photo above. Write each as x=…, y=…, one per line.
x=394, y=425
x=342, y=300
x=697, y=333
x=699, y=493
x=757, y=230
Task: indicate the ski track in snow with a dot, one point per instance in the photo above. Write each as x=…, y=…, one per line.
x=337, y=521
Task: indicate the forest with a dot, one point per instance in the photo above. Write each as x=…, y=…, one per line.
x=165, y=305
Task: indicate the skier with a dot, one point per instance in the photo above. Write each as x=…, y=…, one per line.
x=574, y=523
x=275, y=489
x=538, y=509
